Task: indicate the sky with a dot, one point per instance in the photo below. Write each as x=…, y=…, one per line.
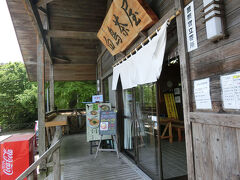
x=9, y=47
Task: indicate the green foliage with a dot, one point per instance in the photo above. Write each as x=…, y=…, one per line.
x=70, y=95
x=17, y=95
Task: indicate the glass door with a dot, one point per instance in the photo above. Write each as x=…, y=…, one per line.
x=141, y=128
x=147, y=129
x=129, y=123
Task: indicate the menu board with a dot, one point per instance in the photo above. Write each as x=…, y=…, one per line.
x=107, y=123
x=202, y=94
x=93, y=120
x=231, y=91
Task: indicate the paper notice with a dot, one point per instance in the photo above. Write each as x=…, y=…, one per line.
x=202, y=94
x=231, y=91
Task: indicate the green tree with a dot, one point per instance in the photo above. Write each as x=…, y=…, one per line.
x=70, y=95
x=17, y=95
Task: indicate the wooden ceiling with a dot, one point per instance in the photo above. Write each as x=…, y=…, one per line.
x=71, y=35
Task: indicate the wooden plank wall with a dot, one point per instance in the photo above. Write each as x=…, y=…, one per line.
x=217, y=152
x=107, y=62
x=216, y=144
x=215, y=59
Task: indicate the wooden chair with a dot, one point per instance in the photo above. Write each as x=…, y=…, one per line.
x=179, y=128
x=172, y=119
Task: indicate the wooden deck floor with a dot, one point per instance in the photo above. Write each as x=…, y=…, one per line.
x=77, y=163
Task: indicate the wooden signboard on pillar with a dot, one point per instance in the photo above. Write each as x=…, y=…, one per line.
x=124, y=20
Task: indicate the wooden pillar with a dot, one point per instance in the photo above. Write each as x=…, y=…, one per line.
x=56, y=154
x=51, y=83
x=186, y=87
x=41, y=98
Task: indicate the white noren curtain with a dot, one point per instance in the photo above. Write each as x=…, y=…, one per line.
x=145, y=66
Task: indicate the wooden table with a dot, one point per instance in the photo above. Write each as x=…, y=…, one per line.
x=59, y=120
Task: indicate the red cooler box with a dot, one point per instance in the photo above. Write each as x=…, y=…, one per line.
x=17, y=154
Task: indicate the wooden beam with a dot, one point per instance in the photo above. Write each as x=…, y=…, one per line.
x=61, y=59
x=43, y=10
x=41, y=99
x=226, y=120
x=72, y=34
x=43, y=2
x=51, y=82
x=38, y=23
x=101, y=55
x=186, y=87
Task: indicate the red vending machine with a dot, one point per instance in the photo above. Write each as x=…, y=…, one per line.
x=17, y=154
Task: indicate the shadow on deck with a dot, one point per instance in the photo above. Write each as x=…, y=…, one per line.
x=77, y=163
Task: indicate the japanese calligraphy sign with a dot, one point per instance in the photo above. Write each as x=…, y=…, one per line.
x=190, y=27
x=124, y=20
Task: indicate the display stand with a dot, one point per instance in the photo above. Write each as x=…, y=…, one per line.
x=115, y=148
x=92, y=144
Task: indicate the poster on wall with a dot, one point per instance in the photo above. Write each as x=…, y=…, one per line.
x=108, y=123
x=191, y=32
x=93, y=120
x=231, y=91
x=202, y=94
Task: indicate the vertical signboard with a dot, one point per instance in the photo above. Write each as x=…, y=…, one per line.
x=123, y=22
x=108, y=123
x=191, y=32
x=93, y=120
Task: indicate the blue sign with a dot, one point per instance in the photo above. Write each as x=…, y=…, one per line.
x=97, y=98
x=108, y=123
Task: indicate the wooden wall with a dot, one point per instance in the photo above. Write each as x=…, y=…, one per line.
x=215, y=59
x=216, y=132
x=216, y=152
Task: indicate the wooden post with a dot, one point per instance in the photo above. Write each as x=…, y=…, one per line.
x=56, y=154
x=46, y=26
x=41, y=99
x=51, y=83
x=186, y=91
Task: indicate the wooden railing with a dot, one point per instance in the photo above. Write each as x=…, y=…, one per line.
x=52, y=153
x=48, y=153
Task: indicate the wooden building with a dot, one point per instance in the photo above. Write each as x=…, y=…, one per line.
x=196, y=94
x=211, y=135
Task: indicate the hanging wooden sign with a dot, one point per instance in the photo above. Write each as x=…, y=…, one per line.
x=124, y=20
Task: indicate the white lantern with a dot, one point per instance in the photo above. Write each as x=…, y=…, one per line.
x=213, y=14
